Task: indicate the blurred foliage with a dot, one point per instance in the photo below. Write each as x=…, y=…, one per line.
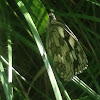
x=83, y=18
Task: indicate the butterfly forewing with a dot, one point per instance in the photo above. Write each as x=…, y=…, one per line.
x=67, y=53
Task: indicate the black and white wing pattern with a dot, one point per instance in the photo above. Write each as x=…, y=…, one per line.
x=63, y=46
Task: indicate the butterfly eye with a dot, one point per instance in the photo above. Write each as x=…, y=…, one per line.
x=52, y=17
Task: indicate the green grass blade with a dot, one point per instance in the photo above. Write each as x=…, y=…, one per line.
x=16, y=72
x=4, y=60
x=4, y=81
x=10, y=66
x=41, y=49
x=75, y=15
x=86, y=88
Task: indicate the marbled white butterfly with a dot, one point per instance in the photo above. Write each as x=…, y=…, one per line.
x=63, y=46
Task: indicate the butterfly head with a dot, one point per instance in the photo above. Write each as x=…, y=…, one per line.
x=52, y=17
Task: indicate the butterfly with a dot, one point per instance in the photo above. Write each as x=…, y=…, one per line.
x=64, y=48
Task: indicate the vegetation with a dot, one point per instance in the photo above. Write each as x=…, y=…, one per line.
x=22, y=50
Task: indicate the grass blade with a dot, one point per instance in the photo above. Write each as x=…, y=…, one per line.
x=41, y=49
x=4, y=81
x=86, y=88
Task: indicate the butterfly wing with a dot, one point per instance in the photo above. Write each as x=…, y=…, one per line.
x=66, y=51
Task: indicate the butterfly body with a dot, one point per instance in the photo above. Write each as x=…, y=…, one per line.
x=63, y=46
